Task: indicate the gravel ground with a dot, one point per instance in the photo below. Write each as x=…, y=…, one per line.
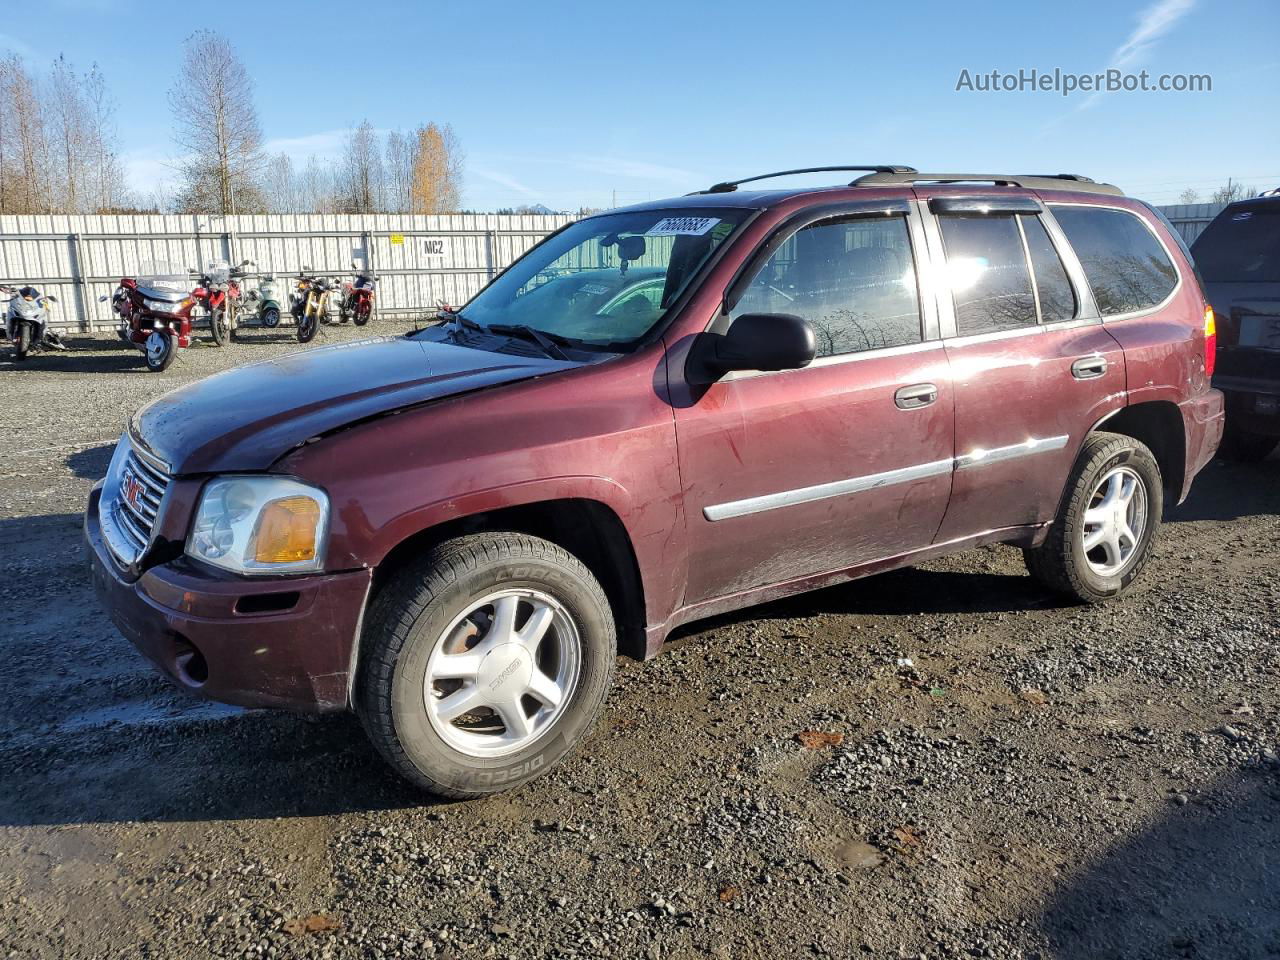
x=938, y=762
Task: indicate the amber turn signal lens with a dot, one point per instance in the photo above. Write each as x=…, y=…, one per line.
x=286, y=531
x=1210, y=322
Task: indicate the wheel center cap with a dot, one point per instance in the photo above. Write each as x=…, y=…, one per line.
x=505, y=668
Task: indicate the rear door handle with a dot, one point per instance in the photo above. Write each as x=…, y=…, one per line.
x=1089, y=368
x=915, y=396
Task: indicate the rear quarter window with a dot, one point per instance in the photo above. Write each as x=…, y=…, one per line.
x=1125, y=264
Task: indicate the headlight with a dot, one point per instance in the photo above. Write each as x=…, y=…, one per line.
x=260, y=525
x=161, y=306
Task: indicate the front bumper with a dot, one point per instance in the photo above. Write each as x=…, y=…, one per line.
x=1203, y=418
x=201, y=630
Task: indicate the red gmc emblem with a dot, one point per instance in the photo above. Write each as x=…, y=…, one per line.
x=131, y=488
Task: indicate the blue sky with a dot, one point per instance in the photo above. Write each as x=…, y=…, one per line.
x=581, y=104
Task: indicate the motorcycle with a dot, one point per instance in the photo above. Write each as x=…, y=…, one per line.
x=27, y=322
x=154, y=308
x=311, y=303
x=357, y=298
x=263, y=303
x=218, y=292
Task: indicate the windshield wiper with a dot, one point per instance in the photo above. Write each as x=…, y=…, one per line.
x=549, y=342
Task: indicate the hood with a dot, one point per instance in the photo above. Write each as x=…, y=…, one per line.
x=247, y=418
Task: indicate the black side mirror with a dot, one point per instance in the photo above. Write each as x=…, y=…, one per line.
x=760, y=341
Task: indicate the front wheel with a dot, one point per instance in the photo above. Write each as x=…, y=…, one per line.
x=218, y=325
x=484, y=663
x=22, y=345
x=1105, y=528
x=307, y=328
x=160, y=350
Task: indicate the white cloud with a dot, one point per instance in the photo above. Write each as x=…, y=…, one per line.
x=148, y=169
x=503, y=180
x=326, y=145
x=1153, y=23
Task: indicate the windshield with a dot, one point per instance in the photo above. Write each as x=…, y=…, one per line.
x=605, y=281
x=1241, y=246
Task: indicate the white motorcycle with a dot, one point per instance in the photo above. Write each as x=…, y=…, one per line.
x=27, y=322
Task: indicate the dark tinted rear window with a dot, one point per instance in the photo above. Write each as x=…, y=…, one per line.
x=1125, y=264
x=1242, y=245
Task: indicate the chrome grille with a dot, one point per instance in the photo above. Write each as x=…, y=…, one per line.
x=139, y=488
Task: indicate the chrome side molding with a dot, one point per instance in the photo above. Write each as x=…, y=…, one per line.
x=873, y=481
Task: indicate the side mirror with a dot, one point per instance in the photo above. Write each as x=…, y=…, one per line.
x=306, y=267
x=51, y=298
x=102, y=299
x=246, y=263
x=762, y=341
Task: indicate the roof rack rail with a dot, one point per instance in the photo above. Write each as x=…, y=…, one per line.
x=729, y=186
x=1031, y=181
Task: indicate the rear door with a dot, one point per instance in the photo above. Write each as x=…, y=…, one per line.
x=1033, y=368
x=803, y=472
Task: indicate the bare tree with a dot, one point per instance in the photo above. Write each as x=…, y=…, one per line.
x=1233, y=191
x=68, y=129
x=361, y=171
x=107, y=186
x=437, y=170
x=1189, y=196
x=217, y=126
x=398, y=172
x=280, y=185
x=317, y=188
x=24, y=172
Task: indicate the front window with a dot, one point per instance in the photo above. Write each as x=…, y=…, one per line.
x=606, y=281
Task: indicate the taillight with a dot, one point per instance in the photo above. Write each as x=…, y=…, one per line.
x=1210, y=341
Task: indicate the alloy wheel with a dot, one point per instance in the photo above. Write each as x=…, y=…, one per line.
x=1114, y=521
x=502, y=673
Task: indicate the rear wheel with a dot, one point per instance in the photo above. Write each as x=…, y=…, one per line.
x=363, y=314
x=484, y=663
x=271, y=317
x=160, y=350
x=22, y=347
x=1246, y=447
x=1103, y=534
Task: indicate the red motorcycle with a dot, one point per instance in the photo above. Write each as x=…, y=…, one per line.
x=357, y=298
x=219, y=294
x=155, y=313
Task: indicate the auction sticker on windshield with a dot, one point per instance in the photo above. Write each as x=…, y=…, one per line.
x=682, y=226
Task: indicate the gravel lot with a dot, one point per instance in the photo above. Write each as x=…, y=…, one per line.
x=986, y=773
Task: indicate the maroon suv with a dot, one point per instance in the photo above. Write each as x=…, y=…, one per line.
x=658, y=414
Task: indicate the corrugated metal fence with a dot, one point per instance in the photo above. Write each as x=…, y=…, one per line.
x=1192, y=218
x=421, y=259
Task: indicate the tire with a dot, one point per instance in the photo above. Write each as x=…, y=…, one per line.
x=218, y=325
x=22, y=348
x=1243, y=446
x=161, y=353
x=431, y=605
x=307, y=327
x=1107, y=463
x=362, y=317
x=271, y=317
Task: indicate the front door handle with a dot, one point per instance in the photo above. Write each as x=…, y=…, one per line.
x=1089, y=368
x=915, y=396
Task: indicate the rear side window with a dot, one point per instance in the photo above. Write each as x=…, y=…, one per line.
x=988, y=275
x=1125, y=264
x=1242, y=245
x=853, y=280
x=1057, y=298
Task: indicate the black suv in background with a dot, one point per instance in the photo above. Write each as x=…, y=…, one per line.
x=1238, y=257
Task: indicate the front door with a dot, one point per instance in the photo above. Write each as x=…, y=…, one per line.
x=803, y=472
